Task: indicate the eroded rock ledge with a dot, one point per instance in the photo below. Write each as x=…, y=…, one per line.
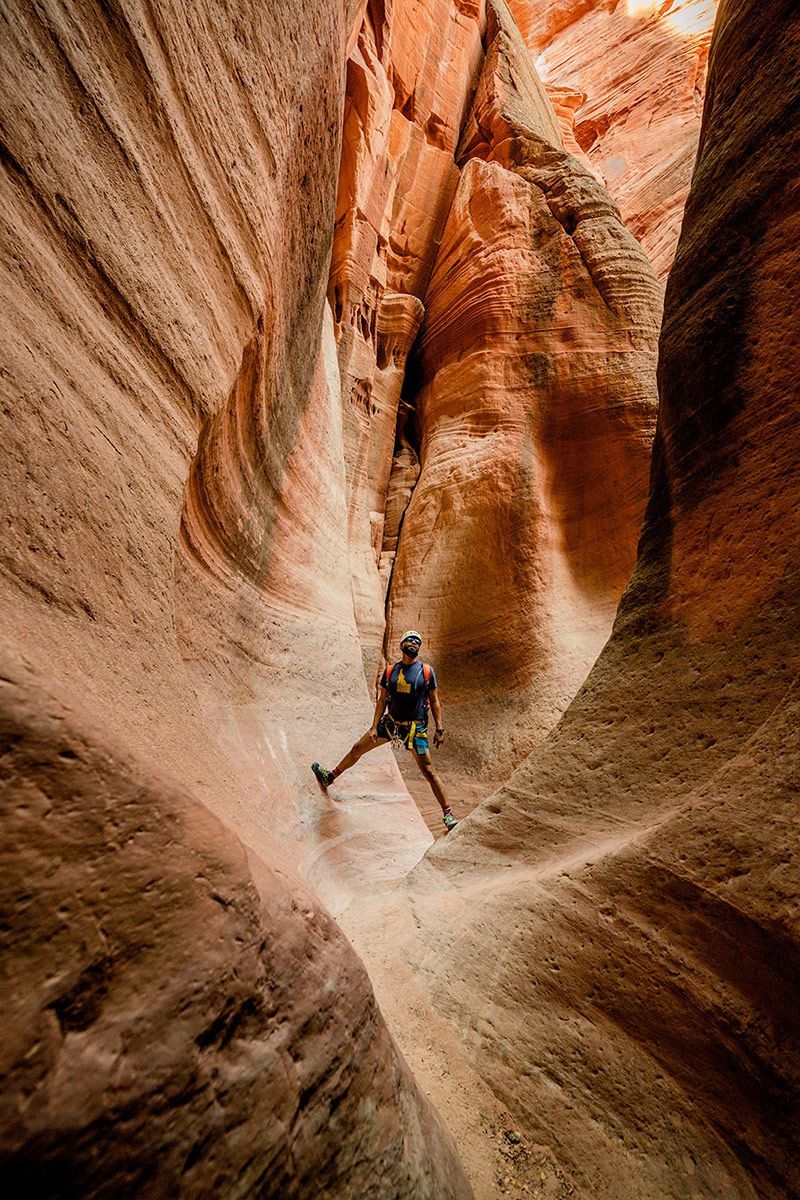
x=627, y=81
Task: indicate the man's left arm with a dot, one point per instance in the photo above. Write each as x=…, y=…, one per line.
x=436, y=709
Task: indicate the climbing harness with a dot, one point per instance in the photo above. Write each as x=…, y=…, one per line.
x=402, y=733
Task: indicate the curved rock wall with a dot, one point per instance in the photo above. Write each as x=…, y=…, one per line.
x=537, y=407
x=265, y=624
x=409, y=78
x=203, y=537
x=627, y=80
x=168, y=192
x=635, y=883
x=171, y=1030
x=485, y=362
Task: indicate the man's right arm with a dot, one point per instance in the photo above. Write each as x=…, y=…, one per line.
x=379, y=710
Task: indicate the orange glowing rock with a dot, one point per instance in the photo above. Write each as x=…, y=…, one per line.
x=536, y=410
x=641, y=66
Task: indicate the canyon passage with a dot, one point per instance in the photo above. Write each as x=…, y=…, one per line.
x=325, y=321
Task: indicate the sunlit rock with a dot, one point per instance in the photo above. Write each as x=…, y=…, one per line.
x=640, y=66
x=628, y=924
x=537, y=407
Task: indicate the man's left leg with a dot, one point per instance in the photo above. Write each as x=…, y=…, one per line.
x=425, y=764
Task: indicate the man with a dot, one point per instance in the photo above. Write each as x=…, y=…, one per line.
x=407, y=686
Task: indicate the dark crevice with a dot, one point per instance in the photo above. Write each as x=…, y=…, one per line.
x=81, y=1006
x=408, y=440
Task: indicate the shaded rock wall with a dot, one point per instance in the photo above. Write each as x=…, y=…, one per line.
x=169, y=1029
x=496, y=331
x=409, y=78
x=635, y=883
x=537, y=407
x=627, y=80
x=167, y=196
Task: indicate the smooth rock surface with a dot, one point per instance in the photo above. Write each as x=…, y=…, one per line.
x=213, y=476
x=537, y=408
x=625, y=972
x=170, y=1030
x=173, y=460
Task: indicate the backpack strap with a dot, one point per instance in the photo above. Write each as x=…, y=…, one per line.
x=426, y=675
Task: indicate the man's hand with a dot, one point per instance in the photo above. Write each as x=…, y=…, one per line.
x=438, y=738
x=373, y=733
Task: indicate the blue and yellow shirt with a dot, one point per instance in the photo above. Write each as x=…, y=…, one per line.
x=408, y=691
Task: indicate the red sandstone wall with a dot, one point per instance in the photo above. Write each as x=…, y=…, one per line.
x=631, y=893
x=528, y=402
x=192, y=507
x=167, y=195
x=409, y=78
x=536, y=409
x=627, y=79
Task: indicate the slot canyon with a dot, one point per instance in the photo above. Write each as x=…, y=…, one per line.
x=330, y=320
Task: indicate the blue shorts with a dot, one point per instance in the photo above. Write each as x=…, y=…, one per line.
x=410, y=733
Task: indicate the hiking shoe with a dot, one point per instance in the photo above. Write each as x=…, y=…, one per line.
x=449, y=821
x=326, y=778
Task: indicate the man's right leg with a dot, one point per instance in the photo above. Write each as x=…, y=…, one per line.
x=357, y=751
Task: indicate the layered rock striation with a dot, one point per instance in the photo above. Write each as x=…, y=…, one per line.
x=173, y=457
x=627, y=80
x=253, y=390
x=635, y=882
x=536, y=410
x=409, y=78
x=490, y=311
